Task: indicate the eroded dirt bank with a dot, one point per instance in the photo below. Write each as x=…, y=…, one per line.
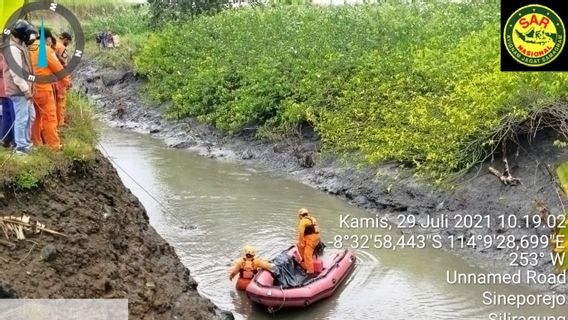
x=110, y=249
x=383, y=190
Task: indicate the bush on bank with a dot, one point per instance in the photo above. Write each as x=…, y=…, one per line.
x=78, y=139
x=415, y=83
x=167, y=11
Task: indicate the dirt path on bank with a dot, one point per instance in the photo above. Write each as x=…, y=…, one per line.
x=110, y=249
x=384, y=189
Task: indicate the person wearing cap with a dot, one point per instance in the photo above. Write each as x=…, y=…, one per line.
x=247, y=267
x=18, y=89
x=61, y=46
x=308, y=239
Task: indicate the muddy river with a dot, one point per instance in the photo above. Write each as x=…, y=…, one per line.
x=209, y=209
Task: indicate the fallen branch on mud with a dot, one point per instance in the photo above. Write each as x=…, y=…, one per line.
x=513, y=132
x=27, y=255
x=506, y=176
x=8, y=244
x=17, y=225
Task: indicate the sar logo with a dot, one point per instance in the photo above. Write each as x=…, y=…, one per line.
x=534, y=35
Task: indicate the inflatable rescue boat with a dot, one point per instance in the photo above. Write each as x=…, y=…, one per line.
x=287, y=286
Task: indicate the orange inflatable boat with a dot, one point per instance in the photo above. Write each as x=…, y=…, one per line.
x=334, y=267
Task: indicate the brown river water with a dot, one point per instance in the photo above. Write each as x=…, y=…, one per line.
x=223, y=206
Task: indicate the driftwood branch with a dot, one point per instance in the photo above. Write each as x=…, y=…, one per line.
x=484, y=147
x=39, y=228
x=31, y=249
x=506, y=178
x=15, y=226
x=8, y=244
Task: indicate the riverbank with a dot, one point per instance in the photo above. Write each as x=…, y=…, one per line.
x=385, y=190
x=78, y=139
x=109, y=249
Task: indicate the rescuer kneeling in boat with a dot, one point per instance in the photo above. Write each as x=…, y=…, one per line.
x=308, y=239
x=247, y=267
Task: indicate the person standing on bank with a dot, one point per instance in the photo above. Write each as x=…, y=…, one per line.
x=7, y=123
x=44, y=129
x=61, y=46
x=308, y=239
x=19, y=90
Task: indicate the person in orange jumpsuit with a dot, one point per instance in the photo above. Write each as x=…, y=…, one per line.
x=60, y=48
x=308, y=239
x=247, y=267
x=44, y=128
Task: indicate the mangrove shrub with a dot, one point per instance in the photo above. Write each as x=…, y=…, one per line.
x=415, y=83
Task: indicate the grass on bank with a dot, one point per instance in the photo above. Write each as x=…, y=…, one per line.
x=121, y=58
x=131, y=24
x=78, y=139
x=91, y=8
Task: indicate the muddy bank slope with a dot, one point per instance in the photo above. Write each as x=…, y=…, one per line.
x=110, y=249
x=383, y=190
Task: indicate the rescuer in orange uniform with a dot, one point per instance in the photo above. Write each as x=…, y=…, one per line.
x=247, y=267
x=61, y=46
x=45, y=124
x=308, y=239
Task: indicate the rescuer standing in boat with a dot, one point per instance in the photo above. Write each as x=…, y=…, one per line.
x=247, y=267
x=308, y=239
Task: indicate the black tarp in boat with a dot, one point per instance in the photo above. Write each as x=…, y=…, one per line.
x=287, y=272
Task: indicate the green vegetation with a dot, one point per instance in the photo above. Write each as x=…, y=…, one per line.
x=562, y=172
x=119, y=58
x=79, y=139
x=165, y=12
x=131, y=24
x=124, y=20
x=91, y=8
x=418, y=84
x=414, y=83
x=562, y=229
